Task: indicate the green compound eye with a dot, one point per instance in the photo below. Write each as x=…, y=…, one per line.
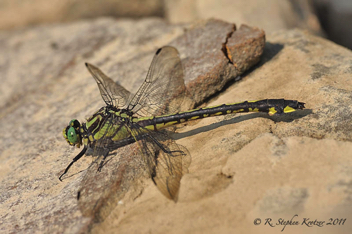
x=72, y=136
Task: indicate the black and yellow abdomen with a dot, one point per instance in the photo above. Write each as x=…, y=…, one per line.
x=271, y=106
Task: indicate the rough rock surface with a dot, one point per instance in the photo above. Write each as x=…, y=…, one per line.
x=243, y=167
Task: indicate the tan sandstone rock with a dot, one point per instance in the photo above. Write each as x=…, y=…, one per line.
x=244, y=166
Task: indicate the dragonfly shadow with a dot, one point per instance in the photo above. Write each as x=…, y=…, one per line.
x=279, y=118
x=67, y=176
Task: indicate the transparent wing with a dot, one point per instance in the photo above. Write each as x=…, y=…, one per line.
x=166, y=161
x=112, y=93
x=101, y=191
x=163, y=90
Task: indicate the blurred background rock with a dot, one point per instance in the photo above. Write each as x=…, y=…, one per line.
x=328, y=18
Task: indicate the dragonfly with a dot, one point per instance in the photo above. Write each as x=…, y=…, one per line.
x=146, y=118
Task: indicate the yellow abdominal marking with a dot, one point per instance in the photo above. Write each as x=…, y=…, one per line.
x=253, y=110
x=150, y=127
x=237, y=111
x=164, y=125
x=211, y=107
x=218, y=113
x=289, y=109
x=272, y=111
x=135, y=120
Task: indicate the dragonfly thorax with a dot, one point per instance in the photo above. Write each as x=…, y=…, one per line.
x=120, y=113
x=109, y=122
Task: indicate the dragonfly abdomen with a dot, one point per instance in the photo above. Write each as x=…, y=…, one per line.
x=271, y=106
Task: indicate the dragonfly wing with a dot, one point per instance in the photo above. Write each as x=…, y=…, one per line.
x=112, y=93
x=163, y=90
x=101, y=191
x=166, y=161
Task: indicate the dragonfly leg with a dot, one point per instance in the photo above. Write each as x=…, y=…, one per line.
x=73, y=161
x=101, y=164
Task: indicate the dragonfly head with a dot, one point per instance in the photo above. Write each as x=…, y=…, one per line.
x=72, y=133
